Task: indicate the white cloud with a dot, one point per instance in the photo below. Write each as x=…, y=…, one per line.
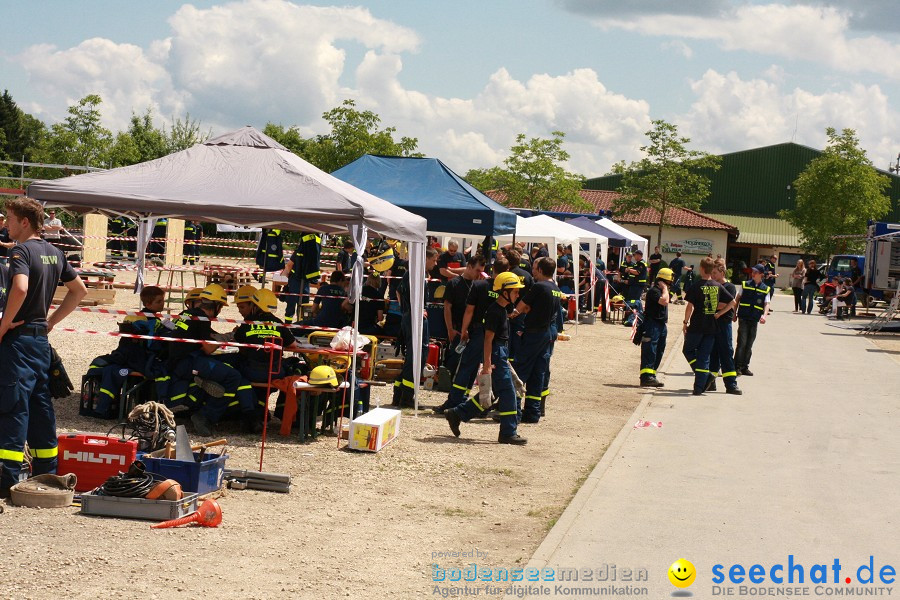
x=730, y=114
x=810, y=33
x=679, y=47
x=121, y=74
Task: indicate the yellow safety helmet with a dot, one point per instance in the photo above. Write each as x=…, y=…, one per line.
x=507, y=281
x=265, y=299
x=194, y=294
x=383, y=261
x=617, y=298
x=215, y=293
x=440, y=292
x=666, y=273
x=244, y=293
x=323, y=375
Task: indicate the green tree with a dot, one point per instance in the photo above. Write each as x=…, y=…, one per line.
x=185, y=134
x=837, y=194
x=290, y=138
x=80, y=139
x=21, y=132
x=151, y=143
x=533, y=176
x=354, y=133
x=669, y=176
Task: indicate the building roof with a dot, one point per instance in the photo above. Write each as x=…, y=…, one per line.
x=757, y=182
x=605, y=200
x=762, y=231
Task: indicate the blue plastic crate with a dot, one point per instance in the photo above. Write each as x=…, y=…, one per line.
x=201, y=477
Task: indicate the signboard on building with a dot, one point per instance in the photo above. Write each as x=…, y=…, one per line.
x=695, y=246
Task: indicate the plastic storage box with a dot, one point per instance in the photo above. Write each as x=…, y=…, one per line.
x=201, y=477
x=93, y=458
x=374, y=430
x=138, y=508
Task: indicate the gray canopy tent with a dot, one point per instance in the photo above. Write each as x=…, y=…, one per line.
x=246, y=178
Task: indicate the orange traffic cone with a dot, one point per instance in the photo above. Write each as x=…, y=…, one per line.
x=208, y=515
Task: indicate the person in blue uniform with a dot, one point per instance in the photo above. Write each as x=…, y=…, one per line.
x=270, y=251
x=26, y=408
x=655, y=331
x=302, y=270
x=193, y=233
x=539, y=308
x=404, y=388
x=495, y=363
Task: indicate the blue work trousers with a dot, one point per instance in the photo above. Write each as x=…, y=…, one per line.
x=26, y=408
x=723, y=354
x=467, y=369
x=516, y=327
x=238, y=391
x=502, y=388
x=294, y=287
x=405, y=387
x=653, y=345
x=697, y=349
x=809, y=297
x=531, y=367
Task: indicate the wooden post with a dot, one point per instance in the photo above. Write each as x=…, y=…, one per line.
x=95, y=232
x=175, y=243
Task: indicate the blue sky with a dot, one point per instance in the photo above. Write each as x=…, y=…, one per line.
x=465, y=77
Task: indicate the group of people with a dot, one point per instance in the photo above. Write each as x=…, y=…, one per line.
x=713, y=304
x=839, y=298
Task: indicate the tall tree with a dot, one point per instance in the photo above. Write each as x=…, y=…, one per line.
x=185, y=134
x=151, y=143
x=354, y=133
x=80, y=139
x=21, y=131
x=534, y=176
x=669, y=176
x=837, y=194
x=290, y=138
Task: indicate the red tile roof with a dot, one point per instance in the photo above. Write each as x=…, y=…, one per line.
x=605, y=200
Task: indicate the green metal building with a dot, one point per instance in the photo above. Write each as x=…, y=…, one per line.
x=757, y=182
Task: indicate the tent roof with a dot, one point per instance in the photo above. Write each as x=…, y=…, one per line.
x=615, y=238
x=630, y=236
x=240, y=178
x=427, y=187
x=541, y=227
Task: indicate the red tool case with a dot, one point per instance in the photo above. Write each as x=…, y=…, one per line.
x=94, y=458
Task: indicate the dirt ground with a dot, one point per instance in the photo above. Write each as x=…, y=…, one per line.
x=354, y=524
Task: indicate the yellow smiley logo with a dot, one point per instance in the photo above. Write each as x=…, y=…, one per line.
x=682, y=573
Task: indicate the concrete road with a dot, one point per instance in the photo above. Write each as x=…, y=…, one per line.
x=806, y=463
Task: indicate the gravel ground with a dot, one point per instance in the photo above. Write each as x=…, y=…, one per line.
x=354, y=524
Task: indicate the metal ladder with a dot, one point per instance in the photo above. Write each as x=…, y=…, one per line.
x=886, y=316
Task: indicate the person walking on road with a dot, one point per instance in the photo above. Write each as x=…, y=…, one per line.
x=811, y=286
x=798, y=275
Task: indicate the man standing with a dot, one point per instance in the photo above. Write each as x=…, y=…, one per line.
x=404, y=388
x=856, y=281
x=706, y=301
x=26, y=409
x=655, y=263
x=52, y=227
x=302, y=270
x=637, y=281
x=656, y=315
x=5, y=242
x=753, y=307
x=540, y=307
x=771, y=264
x=723, y=350
x=450, y=263
x=455, y=298
x=677, y=265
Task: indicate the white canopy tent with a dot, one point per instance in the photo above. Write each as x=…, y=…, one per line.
x=632, y=238
x=247, y=178
x=545, y=229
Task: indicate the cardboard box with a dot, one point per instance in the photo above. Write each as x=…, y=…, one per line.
x=374, y=430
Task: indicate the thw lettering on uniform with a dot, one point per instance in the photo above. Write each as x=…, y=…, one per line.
x=49, y=260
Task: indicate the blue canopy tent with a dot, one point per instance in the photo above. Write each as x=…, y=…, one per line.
x=428, y=188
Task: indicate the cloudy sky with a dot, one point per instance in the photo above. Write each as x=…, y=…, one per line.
x=465, y=77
